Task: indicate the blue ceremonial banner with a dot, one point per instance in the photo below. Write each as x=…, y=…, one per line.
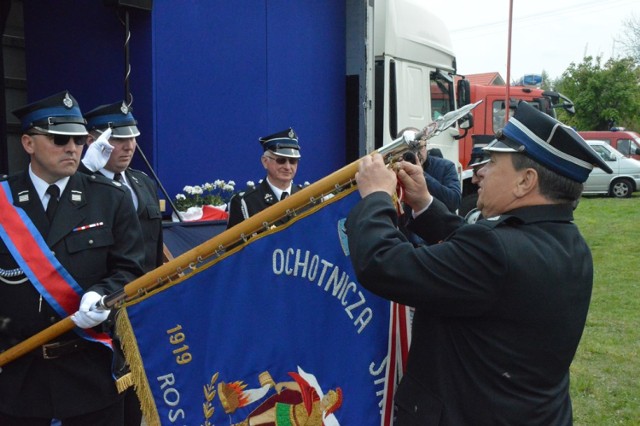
x=278, y=332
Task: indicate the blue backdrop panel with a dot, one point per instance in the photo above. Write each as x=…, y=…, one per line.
x=230, y=72
x=208, y=78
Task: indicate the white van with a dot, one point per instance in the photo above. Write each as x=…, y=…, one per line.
x=625, y=178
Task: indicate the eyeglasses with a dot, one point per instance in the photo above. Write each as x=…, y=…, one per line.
x=283, y=160
x=62, y=140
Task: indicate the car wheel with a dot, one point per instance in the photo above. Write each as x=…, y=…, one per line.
x=621, y=188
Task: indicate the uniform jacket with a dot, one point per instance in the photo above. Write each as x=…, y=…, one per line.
x=245, y=204
x=443, y=181
x=102, y=258
x=149, y=215
x=500, y=307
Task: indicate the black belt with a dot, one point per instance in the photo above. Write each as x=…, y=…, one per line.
x=58, y=349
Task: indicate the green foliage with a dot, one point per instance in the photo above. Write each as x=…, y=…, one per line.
x=604, y=96
x=605, y=388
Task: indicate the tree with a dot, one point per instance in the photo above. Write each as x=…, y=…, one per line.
x=630, y=39
x=604, y=96
x=547, y=83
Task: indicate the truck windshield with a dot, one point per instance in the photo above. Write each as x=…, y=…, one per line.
x=499, y=111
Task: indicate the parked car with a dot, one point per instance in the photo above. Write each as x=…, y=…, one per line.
x=625, y=178
x=628, y=143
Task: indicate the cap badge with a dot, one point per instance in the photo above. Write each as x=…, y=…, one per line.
x=124, y=108
x=67, y=101
x=291, y=134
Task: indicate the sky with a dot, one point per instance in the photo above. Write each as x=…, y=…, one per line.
x=546, y=34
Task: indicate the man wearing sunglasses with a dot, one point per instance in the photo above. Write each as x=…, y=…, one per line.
x=280, y=159
x=68, y=240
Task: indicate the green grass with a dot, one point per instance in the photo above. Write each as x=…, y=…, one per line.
x=605, y=374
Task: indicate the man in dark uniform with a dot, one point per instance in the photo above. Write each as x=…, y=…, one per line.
x=500, y=305
x=116, y=122
x=280, y=159
x=118, y=119
x=83, y=232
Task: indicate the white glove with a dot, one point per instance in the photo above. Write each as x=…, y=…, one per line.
x=88, y=314
x=98, y=152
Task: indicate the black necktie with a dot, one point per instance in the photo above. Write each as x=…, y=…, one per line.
x=53, y=192
x=284, y=195
x=117, y=177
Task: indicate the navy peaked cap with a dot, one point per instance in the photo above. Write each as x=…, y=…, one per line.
x=284, y=143
x=549, y=142
x=116, y=116
x=58, y=114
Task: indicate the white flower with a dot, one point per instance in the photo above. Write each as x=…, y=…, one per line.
x=217, y=193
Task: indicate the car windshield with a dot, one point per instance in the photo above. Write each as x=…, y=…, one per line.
x=608, y=153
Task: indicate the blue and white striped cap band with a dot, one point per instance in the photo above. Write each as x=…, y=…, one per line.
x=548, y=142
x=116, y=116
x=284, y=143
x=58, y=114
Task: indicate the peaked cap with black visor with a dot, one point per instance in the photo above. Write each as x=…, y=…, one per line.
x=58, y=114
x=116, y=116
x=284, y=143
x=548, y=142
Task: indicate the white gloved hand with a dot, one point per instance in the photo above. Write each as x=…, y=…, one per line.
x=98, y=152
x=88, y=314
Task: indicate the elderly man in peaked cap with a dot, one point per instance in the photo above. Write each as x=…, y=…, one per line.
x=280, y=159
x=501, y=304
x=70, y=239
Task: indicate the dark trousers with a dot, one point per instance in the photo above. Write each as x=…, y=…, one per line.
x=132, y=410
x=112, y=415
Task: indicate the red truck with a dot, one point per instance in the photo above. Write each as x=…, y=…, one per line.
x=628, y=143
x=489, y=116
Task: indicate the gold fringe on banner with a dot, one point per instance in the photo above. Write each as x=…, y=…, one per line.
x=125, y=382
x=137, y=374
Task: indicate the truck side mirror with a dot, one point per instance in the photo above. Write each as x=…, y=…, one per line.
x=463, y=92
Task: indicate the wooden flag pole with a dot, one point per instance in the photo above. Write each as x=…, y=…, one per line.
x=185, y=261
x=256, y=223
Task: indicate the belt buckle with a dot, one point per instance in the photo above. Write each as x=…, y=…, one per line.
x=45, y=354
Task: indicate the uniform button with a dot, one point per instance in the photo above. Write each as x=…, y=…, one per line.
x=90, y=241
x=53, y=320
